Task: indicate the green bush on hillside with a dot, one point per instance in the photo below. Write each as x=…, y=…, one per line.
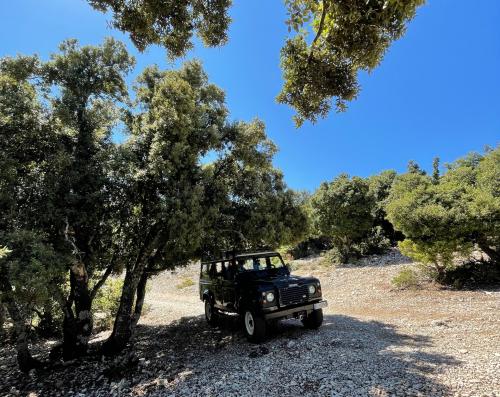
x=448, y=216
x=407, y=278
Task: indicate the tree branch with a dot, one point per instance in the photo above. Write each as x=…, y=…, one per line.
x=104, y=277
x=320, y=30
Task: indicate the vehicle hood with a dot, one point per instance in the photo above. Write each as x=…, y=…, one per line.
x=282, y=281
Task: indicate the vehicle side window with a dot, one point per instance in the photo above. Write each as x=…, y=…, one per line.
x=220, y=269
x=204, y=270
x=273, y=261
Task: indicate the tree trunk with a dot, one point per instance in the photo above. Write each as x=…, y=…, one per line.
x=122, y=328
x=139, y=301
x=21, y=330
x=492, y=253
x=83, y=306
x=77, y=325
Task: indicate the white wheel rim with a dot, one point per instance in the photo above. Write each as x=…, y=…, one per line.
x=208, y=310
x=249, y=323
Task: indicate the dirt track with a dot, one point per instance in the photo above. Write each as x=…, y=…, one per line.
x=374, y=342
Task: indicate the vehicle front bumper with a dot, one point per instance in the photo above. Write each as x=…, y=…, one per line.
x=290, y=312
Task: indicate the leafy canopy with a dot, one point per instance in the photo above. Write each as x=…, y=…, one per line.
x=334, y=40
x=169, y=23
x=442, y=216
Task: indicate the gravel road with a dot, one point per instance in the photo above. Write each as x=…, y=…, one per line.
x=374, y=342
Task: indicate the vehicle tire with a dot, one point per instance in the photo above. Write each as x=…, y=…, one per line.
x=254, y=327
x=211, y=314
x=314, y=319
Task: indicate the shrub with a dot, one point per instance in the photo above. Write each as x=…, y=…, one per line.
x=448, y=216
x=185, y=283
x=407, y=278
x=106, y=303
x=311, y=246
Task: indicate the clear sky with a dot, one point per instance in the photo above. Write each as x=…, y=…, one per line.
x=436, y=93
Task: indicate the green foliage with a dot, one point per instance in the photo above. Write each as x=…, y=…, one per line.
x=31, y=267
x=449, y=216
x=348, y=36
x=348, y=217
x=106, y=304
x=151, y=203
x=185, y=283
x=342, y=211
x=407, y=278
x=170, y=24
x=435, y=170
x=379, y=188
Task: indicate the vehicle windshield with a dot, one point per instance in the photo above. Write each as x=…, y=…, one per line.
x=259, y=264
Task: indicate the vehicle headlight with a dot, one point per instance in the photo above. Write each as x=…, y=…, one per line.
x=312, y=289
x=269, y=296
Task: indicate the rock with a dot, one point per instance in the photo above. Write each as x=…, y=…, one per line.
x=439, y=323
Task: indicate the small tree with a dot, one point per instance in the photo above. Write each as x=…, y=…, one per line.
x=342, y=210
x=379, y=188
x=452, y=215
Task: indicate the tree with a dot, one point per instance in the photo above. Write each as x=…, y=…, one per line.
x=57, y=119
x=91, y=83
x=178, y=208
x=342, y=210
x=348, y=36
x=435, y=170
x=30, y=150
x=168, y=23
x=76, y=206
x=452, y=216
x=379, y=188
x=414, y=168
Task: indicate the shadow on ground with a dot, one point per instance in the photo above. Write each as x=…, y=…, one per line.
x=345, y=356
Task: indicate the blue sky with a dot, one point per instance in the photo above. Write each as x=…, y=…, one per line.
x=437, y=92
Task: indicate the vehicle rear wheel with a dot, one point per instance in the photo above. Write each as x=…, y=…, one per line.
x=211, y=314
x=313, y=319
x=254, y=327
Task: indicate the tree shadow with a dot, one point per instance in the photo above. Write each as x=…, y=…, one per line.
x=390, y=258
x=346, y=356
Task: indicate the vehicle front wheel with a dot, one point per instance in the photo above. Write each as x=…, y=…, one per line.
x=210, y=313
x=314, y=319
x=254, y=327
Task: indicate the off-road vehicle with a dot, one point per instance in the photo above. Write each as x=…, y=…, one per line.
x=259, y=287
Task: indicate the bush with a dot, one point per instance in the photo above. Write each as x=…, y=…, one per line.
x=185, y=283
x=106, y=303
x=472, y=273
x=449, y=216
x=407, y=278
x=311, y=246
x=374, y=243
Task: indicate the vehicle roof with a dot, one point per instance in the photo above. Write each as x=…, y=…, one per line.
x=262, y=254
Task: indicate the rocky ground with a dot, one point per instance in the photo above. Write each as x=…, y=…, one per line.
x=375, y=341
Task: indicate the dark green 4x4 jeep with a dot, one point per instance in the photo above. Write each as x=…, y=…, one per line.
x=259, y=287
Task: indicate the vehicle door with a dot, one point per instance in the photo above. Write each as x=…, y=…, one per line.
x=228, y=285
x=217, y=285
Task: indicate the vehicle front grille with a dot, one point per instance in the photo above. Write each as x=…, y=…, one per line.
x=293, y=295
